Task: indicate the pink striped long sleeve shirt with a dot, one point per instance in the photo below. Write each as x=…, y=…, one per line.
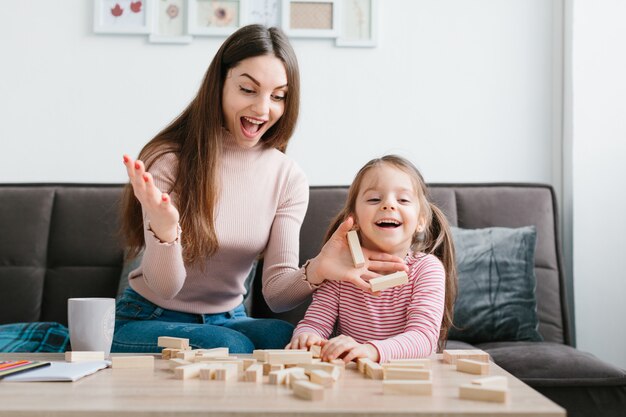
x=402, y=322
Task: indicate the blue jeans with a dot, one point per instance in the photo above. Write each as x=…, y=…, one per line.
x=139, y=323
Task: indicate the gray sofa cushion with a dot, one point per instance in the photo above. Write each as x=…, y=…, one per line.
x=496, y=294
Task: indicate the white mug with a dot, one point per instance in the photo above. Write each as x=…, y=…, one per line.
x=91, y=322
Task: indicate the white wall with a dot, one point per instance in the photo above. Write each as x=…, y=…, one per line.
x=463, y=88
x=469, y=90
x=599, y=176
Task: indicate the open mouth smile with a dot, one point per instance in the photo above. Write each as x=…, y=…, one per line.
x=388, y=223
x=250, y=126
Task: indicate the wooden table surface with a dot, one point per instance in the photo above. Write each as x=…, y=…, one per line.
x=154, y=393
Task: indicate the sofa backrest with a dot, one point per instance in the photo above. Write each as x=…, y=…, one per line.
x=56, y=242
x=61, y=241
x=469, y=206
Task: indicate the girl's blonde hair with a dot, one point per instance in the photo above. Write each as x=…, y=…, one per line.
x=436, y=238
x=195, y=137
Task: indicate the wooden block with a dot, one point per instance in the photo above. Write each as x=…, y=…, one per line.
x=189, y=371
x=338, y=362
x=399, y=387
x=316, y=351
x=451, y=356
x=221, y=352
x=173, y=342
x=388, y=281
x=408, y=363
x=120, y=362
x=286, y=357
x=407, y=374
x=260, y=355
x=322, y=378
x=499, y=381
x=484, y=393
x=248, y=362
x=176, y=362
x=188, y=355
x=296, y=377
x=169, y=353
x=278, y=377
x=308, y=367
x=213, y=361
x=80, y=356
x=270, y=367
x=254, y=373
x=208, y=371
x=227, y=372
x=361, y=362
x=308, y=390
x=470, y=366
x=355, y=249
x=374, y=370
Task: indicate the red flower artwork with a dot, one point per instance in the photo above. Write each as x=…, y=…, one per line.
x=117, y=10
x=135, y=6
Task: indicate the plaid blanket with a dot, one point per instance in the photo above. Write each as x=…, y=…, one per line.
x=33, y=337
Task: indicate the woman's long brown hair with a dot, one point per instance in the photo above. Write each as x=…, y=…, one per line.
x=436, y=238
x=195, y=137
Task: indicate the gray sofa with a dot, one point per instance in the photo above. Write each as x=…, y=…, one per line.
x=61, y=241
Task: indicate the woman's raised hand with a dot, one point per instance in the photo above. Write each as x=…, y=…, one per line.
x=335, y=262
x=161, y=212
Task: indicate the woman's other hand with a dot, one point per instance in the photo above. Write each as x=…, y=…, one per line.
x=157, y=205
x=335, y=262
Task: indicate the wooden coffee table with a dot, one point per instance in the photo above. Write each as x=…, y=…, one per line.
x=126, y=392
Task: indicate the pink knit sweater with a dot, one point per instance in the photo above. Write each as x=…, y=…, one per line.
x=262, y=202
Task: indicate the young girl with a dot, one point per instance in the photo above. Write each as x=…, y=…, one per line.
x=211, y=192
x=389, y=202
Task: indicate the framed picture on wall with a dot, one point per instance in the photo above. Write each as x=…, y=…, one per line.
x=359, y=23
x=311, y=18
x=213, y=17
x=170, y=22
x=122, y=16
x=265, y=12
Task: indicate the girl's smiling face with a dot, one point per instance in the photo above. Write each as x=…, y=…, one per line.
x=387, y=210
x=253, y=98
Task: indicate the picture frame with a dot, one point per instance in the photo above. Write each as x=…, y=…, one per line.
x=264, y=12
x=169, y=22
x=122, y=16
x=213, y=17
x=311, y=18
x=359, y=24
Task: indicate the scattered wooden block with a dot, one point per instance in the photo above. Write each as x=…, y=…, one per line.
x=288, y=357
x=254, y=373
x=316, y=351
x=215, y=361
x=121, y=362
x=408, y=363
x=405, y=387
x=407, y=374
x=451, y=356
x=269, y=367
x=227, y=372
x=248, y=362
x=374, y=370
x=388, y=281
x=355, y=249
x=189, y=371
x=470, y=366
x=297, y=377
x=188, y=355
x=221, y=352
x=338, y=362
x=361, y=362
x=278, y=377
x=80, y=356
x=208, y=372
x=308, y=390
x=169, y=353
x=173, y=342
x=176, y=362
x=499, y=381
x=489, y=393
x=260, y=355
x=322, y=378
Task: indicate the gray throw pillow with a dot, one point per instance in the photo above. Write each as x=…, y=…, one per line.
x=496, y=296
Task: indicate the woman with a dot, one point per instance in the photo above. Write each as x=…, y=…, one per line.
x=216, y=191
